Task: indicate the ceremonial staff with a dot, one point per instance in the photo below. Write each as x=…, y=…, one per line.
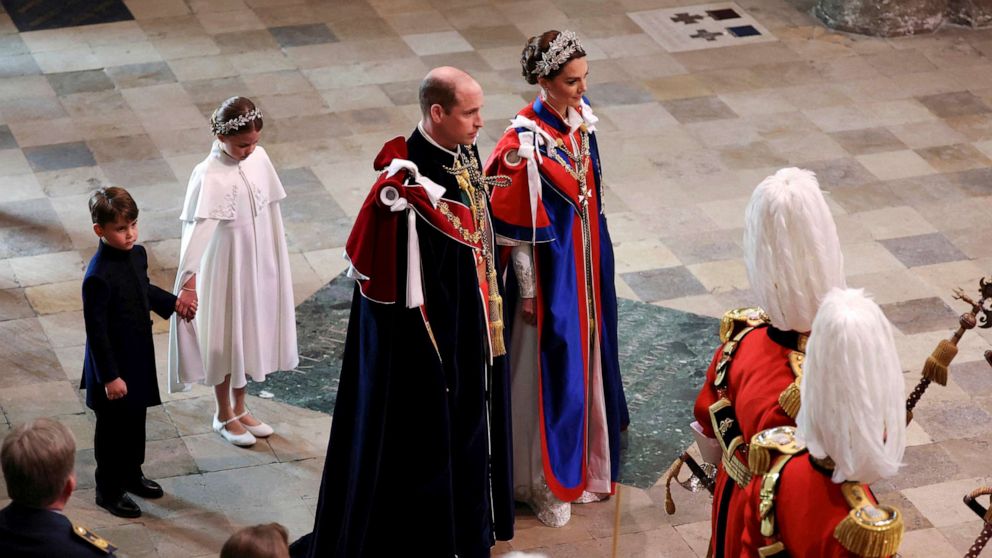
x=935, y=368
x=985, y=514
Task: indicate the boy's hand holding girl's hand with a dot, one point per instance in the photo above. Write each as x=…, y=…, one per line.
x=115, y=389
x=186, y=302
x=186, y=305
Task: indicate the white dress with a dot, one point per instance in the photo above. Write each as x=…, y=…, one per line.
x=233, y=240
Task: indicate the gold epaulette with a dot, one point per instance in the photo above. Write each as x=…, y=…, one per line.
x=781, y=440
x=96, y=540
x=735, y=320
x=789, y=399
x=869, y=530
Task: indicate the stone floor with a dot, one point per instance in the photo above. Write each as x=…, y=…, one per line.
x=899, y=132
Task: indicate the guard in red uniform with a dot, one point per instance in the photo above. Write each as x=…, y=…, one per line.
x=808, y=497
x=793, y=259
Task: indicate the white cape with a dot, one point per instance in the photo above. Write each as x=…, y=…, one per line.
x=233, y=240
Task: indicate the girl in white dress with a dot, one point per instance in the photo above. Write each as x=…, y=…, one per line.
x=233, y=258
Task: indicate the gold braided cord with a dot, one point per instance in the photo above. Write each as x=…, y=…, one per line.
x=476, y=187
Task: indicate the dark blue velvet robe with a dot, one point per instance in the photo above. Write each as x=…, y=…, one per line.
x=409, y=468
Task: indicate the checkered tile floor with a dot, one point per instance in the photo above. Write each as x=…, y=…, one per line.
x=899, y=132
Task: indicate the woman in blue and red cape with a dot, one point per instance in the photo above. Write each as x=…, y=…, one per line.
x=568, y=402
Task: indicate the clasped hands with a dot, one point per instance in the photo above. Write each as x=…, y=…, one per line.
x=186, y=304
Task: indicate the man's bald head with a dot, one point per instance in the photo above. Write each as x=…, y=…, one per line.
x=451, y=106
x=442, y=86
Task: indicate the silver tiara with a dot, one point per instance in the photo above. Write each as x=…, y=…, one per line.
x=221, y=128
x=559, y=51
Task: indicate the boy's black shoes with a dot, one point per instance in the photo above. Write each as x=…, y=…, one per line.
x=145, y=488
x=123, y=506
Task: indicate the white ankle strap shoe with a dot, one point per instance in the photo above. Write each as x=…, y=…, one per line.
x=243, y=440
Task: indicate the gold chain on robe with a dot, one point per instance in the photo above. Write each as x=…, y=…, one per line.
x=476, y=187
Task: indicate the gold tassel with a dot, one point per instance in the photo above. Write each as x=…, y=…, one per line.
x=496, y=324
x=671, y=473
x=869, y=541
x=790, y=399
x=759, y=460
x=935, y=368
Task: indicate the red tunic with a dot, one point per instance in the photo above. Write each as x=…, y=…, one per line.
x=808, y=507
x=757, y=375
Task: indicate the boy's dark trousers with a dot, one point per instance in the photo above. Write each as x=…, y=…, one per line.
x=119, y=446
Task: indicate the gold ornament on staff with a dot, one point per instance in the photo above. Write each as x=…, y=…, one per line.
x=935, y=368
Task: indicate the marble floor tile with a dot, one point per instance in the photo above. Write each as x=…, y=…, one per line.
x=868, y=140
x=141, y=75
x=953, y=158
x=439, y=42
x=754, y=155
x=916, y=316
x=24, y=402
x=895, y=164
x=213, y=453
x=14, y=305
x=698, y=109
x=665, y=283
x=59, y=156
x=302, y=35
x=867, y=258
x=47, y=268
x=54, y=298
x=842, y=173
x=974, y=127
x=898, y=62
x=19, y=65
x=7, y=139
x=641, y=255
x=959, y=103
x=677, y=87
x=937, y=508
x=895, y=222
x=924, y=249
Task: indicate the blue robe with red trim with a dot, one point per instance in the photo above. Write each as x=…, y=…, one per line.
x=560, y=253
x=418, y=408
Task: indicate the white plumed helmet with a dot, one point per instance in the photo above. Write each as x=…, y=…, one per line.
x=791, y=248
x=852, y=390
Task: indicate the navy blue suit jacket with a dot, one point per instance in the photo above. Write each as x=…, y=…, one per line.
x=117, y=299
x=36, y=533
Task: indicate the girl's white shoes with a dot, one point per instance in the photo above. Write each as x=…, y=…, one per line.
x=260, y=430
x=244, y=440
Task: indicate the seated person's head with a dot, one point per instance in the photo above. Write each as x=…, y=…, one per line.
x=38, y=459
x=270, y=540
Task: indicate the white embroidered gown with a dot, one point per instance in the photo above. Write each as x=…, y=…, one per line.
x=233, y=240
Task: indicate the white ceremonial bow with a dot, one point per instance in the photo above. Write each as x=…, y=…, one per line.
x=531, y=137
x=391, y=198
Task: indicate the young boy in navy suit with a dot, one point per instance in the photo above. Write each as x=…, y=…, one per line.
x=119, y=364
